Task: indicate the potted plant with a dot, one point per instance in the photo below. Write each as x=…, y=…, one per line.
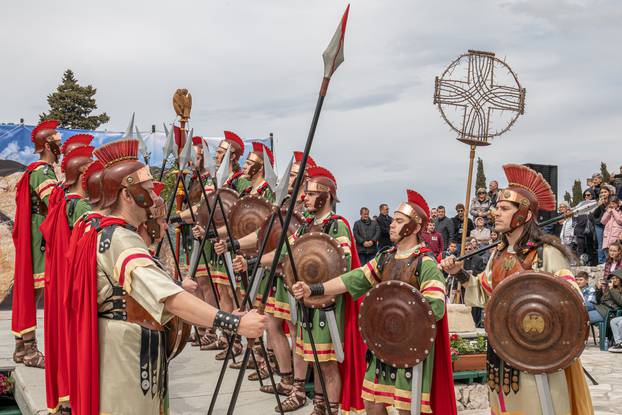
x=468, y=354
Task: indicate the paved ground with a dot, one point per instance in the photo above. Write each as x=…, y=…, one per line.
x=193, y=375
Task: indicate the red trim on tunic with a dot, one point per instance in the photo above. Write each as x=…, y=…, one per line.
x=125, y=262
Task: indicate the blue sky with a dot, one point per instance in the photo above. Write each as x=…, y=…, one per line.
x=256, y=67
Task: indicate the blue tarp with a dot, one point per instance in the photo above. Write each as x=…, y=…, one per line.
x=16, y=144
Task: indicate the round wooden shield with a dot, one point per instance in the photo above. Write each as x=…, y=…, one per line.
x=397, y=324
x=318, y=258
x=246, y=216
x=228, y=197
x=177, y=335
x=275, y=232
x=536, y=322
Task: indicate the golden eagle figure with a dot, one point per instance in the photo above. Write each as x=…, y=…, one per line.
x=182, y=103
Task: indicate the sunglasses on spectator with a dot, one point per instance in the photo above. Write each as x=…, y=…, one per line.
x=588, y=195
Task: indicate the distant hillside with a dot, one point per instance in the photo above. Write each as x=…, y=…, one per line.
x=10, y=166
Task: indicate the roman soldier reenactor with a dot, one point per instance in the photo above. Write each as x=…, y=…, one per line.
x=411, y=262
x=320, y=194
x=66, y=205
x=524, y=247
x=31, y=200
x=254, y=172
x=121, y=299
x=279, y=301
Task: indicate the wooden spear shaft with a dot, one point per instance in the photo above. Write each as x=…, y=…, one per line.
x=179, y=196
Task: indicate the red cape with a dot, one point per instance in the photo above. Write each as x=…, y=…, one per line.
x=354, y=364
x=24, y=313
x=83, y=324
x=442, y=396
x=56, y=232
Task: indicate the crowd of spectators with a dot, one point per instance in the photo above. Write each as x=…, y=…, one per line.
x=594, y=237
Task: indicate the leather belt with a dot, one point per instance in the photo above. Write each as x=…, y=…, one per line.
x=126, y=308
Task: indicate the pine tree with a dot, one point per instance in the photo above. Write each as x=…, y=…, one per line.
x=568, y=198
x=480, y=180
x=577, y=192
x=604, y=172
x=72, y=104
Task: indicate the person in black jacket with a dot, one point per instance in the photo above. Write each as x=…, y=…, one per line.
x=458, y=223
x=585, y=233
x=366, y=233
x=384, y=222
x=444, y=226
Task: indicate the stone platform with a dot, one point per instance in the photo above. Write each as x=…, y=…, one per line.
x=193, y=375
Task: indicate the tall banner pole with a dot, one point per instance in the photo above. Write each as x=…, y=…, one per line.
x=467, y=201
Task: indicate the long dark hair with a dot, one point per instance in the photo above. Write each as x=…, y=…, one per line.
x=534, y=237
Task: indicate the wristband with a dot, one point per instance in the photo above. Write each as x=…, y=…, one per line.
x=233, y=244
x=227, y=322
x=317, y=289
x=175, y=219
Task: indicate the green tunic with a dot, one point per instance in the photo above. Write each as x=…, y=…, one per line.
x=385, y=384
x=337, y=228
x=216, y=264
x=41, y=183
x=75, y=209
x=278, y=304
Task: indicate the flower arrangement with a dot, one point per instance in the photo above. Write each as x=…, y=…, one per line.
x=7, y=384
x=460, y=346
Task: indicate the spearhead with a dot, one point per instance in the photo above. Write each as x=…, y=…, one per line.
x=186, y=152
x=169, y=143
x=223, y=170
x=269, y=173
x=281, y=189
x=129, y=133
x=333, y=55
x=165, y=129
x=143, y=145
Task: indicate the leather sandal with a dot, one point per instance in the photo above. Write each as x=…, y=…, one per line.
x=238, y=365
x=33, y=357
x=19, y=353
x=207, y=339
x=319, y=405
x=296, y=399
x=284, y=387
x=237, y=350
x=219, y=344
x=263, y=371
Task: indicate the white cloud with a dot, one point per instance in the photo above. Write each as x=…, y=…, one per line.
x=24, y=155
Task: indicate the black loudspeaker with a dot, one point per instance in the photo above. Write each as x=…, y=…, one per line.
x=550, y=175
